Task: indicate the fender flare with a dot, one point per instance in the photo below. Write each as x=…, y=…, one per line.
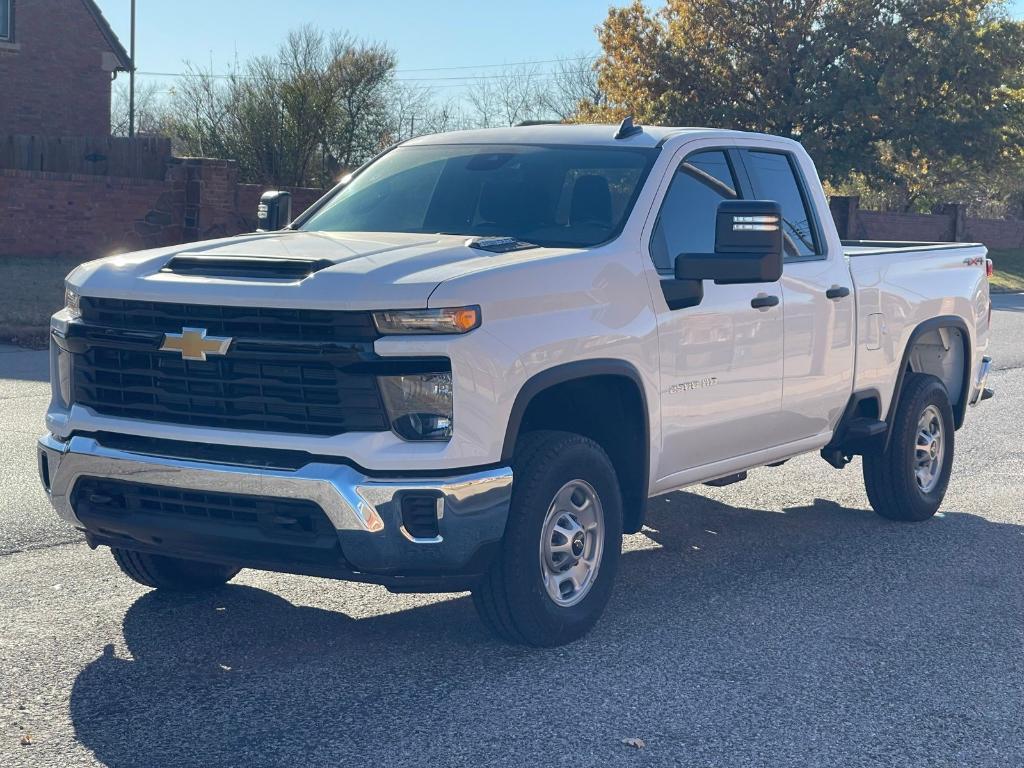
x=933, y=324
x=560, y=374
x=583, y=369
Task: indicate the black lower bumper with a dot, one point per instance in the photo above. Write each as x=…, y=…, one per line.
x=317, y=520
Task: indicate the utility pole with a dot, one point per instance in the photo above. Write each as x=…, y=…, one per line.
x=131, y=81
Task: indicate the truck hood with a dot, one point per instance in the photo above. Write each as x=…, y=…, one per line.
x=364, y=270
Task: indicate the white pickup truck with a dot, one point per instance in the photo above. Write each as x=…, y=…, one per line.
x=471, y=363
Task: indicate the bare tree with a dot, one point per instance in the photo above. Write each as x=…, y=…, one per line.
x=198, y=115
x=572, y=85
x=295, y=118
x=149, y=108
x=510, y=97
x=363, y=75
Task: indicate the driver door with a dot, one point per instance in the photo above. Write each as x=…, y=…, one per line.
x=721, y=361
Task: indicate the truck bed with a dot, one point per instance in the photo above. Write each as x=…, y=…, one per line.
x=901, y=286
x=876, y=247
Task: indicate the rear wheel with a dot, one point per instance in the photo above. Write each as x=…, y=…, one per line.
x=907, y=480
x=555, y=571
x=172, y=573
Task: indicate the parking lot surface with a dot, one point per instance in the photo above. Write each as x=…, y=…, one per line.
x=776, y=622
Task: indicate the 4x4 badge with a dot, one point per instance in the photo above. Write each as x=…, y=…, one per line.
x=194, y=344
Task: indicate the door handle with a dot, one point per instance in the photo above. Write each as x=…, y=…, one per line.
x=837, y=292
x=764, y=302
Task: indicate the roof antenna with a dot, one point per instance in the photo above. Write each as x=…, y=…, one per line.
x=627, y=129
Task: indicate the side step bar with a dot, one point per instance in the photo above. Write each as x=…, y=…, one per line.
x=864, y=428
x=719, y=482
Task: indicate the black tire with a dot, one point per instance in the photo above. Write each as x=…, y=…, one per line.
x=172, y=573
x=889, y=474
x=511, y=599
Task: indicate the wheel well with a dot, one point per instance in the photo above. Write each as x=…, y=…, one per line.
x=943, y=352
x=611, y=411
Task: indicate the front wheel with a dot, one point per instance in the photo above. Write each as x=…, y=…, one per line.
x=907, y=480
x=172, y=573
x=554, y=574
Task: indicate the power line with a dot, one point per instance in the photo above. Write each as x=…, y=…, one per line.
x=223, y=76
x=507, y=64
x=397, y=79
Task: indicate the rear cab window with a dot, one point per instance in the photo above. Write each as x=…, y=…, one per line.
x=775, y=176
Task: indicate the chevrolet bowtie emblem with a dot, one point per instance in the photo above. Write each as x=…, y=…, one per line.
x=194, y=344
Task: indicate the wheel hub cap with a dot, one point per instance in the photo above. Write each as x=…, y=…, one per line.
x=572, y=539
x=929, y=450
x=578, y=544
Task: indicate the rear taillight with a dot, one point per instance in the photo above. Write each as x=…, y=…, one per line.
x=990, y=268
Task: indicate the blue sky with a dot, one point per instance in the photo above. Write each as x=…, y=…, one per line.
x=426, y=35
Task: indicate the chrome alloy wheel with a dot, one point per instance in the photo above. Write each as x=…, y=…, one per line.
x=572, y=539
x=929, y=449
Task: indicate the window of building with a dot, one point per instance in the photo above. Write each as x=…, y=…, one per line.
x=6, y=15
x=686, y=222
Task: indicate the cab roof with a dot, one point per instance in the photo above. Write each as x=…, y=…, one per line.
x=589, y=135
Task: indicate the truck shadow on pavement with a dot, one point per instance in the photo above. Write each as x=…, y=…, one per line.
x=816, y=635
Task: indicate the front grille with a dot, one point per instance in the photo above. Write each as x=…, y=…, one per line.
x=103, y=501
x=266, y=392
x=265, y=323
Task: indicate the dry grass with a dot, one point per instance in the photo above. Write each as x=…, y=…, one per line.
x=31, y=289
x=1009, y=275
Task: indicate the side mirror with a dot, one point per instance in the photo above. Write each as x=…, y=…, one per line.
x=274, y=211
x=748, y=246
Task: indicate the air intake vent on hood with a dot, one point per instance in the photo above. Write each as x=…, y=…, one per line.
x=270, y=267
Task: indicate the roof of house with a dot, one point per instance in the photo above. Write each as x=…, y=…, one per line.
x=115, y=45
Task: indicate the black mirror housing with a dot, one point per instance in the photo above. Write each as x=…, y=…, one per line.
x=748, y=246
x=274, y=211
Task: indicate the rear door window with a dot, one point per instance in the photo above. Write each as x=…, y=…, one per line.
x=773, y=176
x=686, y=221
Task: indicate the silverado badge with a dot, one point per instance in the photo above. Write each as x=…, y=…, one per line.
x=194, y=344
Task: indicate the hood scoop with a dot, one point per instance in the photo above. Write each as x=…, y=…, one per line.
x=499, y=244
x=243, y=267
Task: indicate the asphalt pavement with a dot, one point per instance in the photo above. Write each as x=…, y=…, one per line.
x=777, y=622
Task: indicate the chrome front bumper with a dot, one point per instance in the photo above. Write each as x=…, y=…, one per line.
x=365, y=511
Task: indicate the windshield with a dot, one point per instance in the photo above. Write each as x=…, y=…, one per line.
x=547, y=195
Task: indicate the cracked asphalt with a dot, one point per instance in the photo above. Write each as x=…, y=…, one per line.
x=777, y=622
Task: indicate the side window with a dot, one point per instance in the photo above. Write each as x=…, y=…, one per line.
x=773, y=176
x=686, y=222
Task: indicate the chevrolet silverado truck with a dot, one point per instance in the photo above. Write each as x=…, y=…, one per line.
x=470, y=365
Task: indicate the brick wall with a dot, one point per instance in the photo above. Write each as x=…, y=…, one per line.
x=996, y=233
x=950, y=224
x=82, y=215
x=48, y=214
x=54, y=79
x=877, y=225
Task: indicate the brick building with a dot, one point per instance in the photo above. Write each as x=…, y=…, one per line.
x=57, y=60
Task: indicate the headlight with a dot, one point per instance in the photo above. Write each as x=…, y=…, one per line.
x=72, y=303
x=446, y=320
x=419, y=406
